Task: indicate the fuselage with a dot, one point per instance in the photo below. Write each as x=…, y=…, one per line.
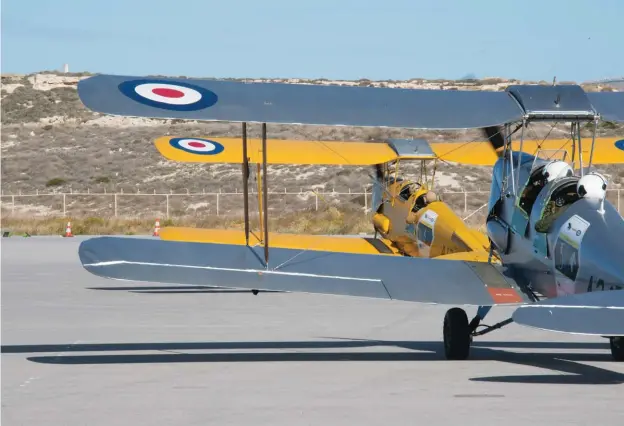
x=431, y=230
x=580, y=251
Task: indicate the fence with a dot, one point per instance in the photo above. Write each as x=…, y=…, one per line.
x=124, y=204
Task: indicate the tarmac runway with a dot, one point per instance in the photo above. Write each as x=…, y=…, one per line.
x=81, y=350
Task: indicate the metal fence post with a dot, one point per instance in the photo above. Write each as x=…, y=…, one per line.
x=316, y=196
x=115, y=203
x=465, y=201
x=167, y=200
x=218, y=204
x=365, y=200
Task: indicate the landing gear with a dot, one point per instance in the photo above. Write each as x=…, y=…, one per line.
x=458, y=332
x=457, y=336
x=617, y=348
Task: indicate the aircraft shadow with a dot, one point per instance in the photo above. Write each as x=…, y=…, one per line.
x=305, y=351
x=178, y=289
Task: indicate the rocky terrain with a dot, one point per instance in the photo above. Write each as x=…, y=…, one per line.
x=52, y=144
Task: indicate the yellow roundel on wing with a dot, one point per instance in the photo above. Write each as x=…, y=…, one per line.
x=230, y=150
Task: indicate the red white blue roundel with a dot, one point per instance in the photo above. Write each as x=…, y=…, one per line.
x=174, y=96
x=197, y=146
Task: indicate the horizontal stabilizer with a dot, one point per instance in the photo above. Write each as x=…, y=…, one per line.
x=219, y=100
x=361, y=275
x=598, y=313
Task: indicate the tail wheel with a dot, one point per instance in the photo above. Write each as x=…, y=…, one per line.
x=617, y=348
x=456, y=334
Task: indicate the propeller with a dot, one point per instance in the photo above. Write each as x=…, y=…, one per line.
x=494, y=134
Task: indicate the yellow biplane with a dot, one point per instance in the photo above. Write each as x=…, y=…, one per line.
x=409, y=218
x=442, y=261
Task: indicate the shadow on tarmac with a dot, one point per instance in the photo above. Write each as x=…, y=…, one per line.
x=568, y=367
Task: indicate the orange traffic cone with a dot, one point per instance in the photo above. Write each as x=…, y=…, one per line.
x=68, y=232
x=156, y=228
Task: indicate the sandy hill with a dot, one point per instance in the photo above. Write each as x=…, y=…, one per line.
x=51, y=142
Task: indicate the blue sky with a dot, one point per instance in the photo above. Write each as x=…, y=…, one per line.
x=390, y=39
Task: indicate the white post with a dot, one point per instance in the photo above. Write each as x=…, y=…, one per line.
x=167, y=197
x=316, y=195
x=217, y=204
x=115, y=203
x=465, y=201
x=365, y=200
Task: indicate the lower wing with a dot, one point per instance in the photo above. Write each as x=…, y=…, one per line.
x=239, y=266
x=598, y=313
x=361, y=245
x=608, y=150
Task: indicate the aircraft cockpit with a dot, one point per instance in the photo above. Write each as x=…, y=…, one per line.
x=563, y=194
x=532, y=189
x=538, y=179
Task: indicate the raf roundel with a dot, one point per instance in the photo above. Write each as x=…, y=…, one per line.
x=197, y=146
x=173, y=96
x=620, y=144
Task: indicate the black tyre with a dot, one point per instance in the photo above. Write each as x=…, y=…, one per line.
x=456, y=334
x=617, y=348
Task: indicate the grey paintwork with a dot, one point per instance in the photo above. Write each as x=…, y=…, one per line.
x=549, y=101
x=531, y=254
x=407, y=147
x=610, y=105
x=376, y=276
x=353, y=106
x=579, y=313
x=315, y=104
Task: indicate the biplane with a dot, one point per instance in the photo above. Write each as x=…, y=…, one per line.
x=558, y=239
x=409, y=218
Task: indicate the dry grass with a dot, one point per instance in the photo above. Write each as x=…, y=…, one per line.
x=330, y=221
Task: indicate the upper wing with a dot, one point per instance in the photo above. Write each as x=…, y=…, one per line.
x=216, y=100
x=480, y=153
x=360, y=245
x=597, y=313
x=230, y=150
x=225, y=265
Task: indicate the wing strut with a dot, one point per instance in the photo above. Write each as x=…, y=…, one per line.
x=245, y=182
x=265, y=195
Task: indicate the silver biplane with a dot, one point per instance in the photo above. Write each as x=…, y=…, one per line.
x=559, y=240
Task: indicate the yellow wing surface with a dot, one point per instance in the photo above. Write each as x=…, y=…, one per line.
x=230, y=150
x=342, y=153
x=480, y=153
x=359, y=245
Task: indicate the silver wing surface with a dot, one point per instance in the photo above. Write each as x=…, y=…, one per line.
x=235, y=101
x=598, y=313
x=217, y=100
x=363, y=275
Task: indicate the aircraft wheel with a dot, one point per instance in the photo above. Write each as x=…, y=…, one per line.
x=457, y=337
x=617, y=348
